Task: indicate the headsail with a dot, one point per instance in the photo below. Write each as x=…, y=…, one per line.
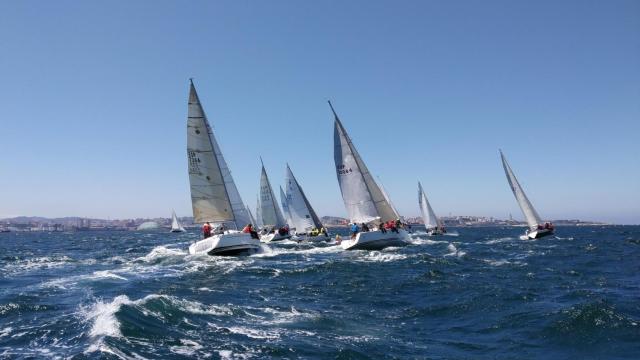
x=285, y=207
x=386, y=197
x=530, y=214
x=363, y=198
x=253, y=220
x=175, y=224
x=302, y=215
x=269, y=210
x=428, y=215
x=214, y=195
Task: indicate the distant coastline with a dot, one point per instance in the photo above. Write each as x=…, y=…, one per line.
x=35, y=223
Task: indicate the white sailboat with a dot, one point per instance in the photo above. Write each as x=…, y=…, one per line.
x=273, y=221
x=214, y=196
x=303, y=217
x=363, y=198
x=537, y=228
x=175, y=224
x=431, y=222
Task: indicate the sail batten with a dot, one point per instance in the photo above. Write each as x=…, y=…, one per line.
x=529, y=212
x=214, y=195
x=362, y=196
x=303, y=217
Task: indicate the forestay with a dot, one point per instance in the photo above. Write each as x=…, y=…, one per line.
x=269, y=210
x=303, y=217
x=363, y=198
x=428, y=215
x=214, y=195
x=530, y=214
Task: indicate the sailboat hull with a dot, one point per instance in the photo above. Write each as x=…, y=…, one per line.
x=537, y=234
x=317, y=238
x=375, y=240
x=274, y=237
x=227, y=244
x=434, y=232
x=178, y=230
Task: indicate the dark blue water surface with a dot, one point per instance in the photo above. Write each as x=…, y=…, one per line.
x=481, y=294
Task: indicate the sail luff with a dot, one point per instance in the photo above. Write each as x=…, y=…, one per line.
x=209, y=197
x=530, y=214
x=362, y=196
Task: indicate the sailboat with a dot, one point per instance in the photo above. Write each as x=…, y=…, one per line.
x=303, y=217
x=175, y=224
x=363, y=198
x=537, y=228
x=431, y=222
x=273, y=223
x=214, y=195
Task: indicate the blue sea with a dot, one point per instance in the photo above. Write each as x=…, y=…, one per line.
x=479, y=293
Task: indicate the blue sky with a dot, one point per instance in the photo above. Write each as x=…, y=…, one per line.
x=94, y=99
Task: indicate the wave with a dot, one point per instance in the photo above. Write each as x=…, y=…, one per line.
x=453, y=251
x=160, y=253
x=499, y=240
x=380, y=256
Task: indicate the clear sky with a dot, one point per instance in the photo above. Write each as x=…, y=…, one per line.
x=93, y=102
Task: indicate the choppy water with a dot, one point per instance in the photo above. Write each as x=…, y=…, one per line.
x=482, y=294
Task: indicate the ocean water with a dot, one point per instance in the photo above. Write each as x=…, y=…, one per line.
x=480, y=293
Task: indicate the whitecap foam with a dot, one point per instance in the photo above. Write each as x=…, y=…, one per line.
x=378, y=256
x=187, y=348
x=161, y=252
x=453, y=251
x=6, y=331
x=499, y=240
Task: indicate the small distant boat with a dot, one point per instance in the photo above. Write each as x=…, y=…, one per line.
x=214, y=195
x=273, y=222
x=537, y=228
x=303, y=218
x=431, y=221
x=175, y=224
x=363, y=198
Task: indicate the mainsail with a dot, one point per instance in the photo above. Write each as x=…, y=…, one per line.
x=269, y=210
x=303, y=217
x=428, y=216
x=175, y=224
x=363, y=198
x=214, y=195
x=285, y=207
x=533, y=219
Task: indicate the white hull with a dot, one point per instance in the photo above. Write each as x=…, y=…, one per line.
x=537, y=234
x=375, y=240
x=434, y=232
x=178, y=230
x=274, y=237
x=229, y=243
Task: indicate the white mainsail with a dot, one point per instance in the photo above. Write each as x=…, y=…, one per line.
x=303, y=217
x=428, y=215
x=269, y=210
x=175, y=224
x=530, y=214
x=363, y=198
x=285, y=207
x=214, y=195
